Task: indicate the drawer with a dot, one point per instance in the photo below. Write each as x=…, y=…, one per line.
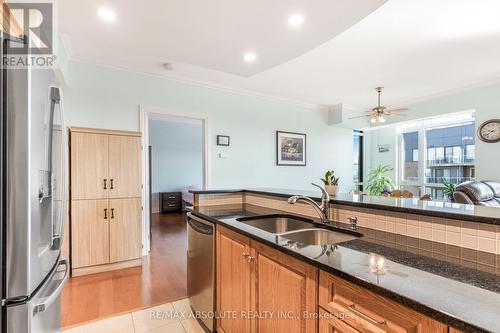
x=171, y=196
x=171, y=207
x=330, y=324
x=367, y=311
x=170, y=202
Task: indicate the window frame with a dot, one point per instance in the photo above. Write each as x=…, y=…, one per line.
x=421, y=127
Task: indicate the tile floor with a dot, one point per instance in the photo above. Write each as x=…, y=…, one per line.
x=166, y=318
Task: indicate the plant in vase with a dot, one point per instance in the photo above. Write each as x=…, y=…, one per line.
x=448, y=190
x=378, y=181
x=331, y=182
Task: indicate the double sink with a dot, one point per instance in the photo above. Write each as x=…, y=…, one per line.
x=299, y=230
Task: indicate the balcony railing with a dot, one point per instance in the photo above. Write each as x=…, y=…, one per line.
x=453, y=180
x=450, y=160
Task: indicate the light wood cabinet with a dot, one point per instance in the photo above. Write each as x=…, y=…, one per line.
x=255, y=279
x=369, y=312
x=8, y=22
x=89, y=166
x=124, y=166
x=89, y=233
x=124, y=229
x=106, y=205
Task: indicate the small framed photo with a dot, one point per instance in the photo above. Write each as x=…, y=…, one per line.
x=222, y=140
x=290, y=148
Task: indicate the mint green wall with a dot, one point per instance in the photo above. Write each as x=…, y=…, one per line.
x=109, y=98
x=176, y=154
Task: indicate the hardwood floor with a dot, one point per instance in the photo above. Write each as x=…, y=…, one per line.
x=161, y=279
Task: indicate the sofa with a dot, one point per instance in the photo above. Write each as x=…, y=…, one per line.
x=486, y=193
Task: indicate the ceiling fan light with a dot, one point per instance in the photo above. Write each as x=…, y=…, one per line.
x=381, y=119
x=373, y=120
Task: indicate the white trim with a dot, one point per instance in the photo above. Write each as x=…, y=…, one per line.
x=209, y=85
x=144, y=114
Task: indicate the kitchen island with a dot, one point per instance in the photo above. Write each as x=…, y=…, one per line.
x=422, y=275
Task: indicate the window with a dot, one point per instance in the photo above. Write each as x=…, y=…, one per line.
x=449, y=153
x=357, y=162
x=410, y=163
x=470, y=153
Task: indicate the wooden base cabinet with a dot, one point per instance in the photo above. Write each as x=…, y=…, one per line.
x=233, y=282
x=364, y=311
x=266, y=289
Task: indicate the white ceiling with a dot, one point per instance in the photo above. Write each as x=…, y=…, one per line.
x=416, y=49
x=212, y=34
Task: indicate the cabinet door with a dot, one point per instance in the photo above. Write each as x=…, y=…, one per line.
x=330, y=324
x=286, y=289
x=89, y=233
x=124, y=229
x=89, y=166
x=233, y=281
x=124, y=166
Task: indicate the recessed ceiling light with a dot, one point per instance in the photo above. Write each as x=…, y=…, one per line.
x=250, y=57
x=106, y=14
x=295, y=20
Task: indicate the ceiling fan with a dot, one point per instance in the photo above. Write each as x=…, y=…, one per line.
x=378, y=113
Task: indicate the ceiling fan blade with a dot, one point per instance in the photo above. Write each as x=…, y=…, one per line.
x=395, y=114
x=359, y=117
x=398, y=110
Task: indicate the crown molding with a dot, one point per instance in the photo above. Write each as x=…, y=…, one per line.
x=204, y=84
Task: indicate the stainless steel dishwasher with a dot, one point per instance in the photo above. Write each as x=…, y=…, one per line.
x=201, y=269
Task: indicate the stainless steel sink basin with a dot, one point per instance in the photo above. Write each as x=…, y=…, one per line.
x=277, y=224
x=318, y=237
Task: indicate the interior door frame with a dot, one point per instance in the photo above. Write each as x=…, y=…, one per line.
x=145, y=114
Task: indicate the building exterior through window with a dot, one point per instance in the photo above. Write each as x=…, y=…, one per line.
x=448, y=154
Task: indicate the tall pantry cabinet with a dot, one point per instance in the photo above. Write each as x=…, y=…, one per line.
x=106, y=205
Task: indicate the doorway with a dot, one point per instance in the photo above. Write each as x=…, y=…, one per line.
x=178, y=162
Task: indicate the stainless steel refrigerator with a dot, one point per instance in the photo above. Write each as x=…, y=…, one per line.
x=32, y=199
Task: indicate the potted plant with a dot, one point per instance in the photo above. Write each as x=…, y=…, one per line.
x=448, y=190
x=378, y=181
x=331, y=182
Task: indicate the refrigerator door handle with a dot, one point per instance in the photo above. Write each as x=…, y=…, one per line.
x=44, y=303
x=57, y=236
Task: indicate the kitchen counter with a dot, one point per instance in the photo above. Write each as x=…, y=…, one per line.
x=429, y=282
x=481, y=214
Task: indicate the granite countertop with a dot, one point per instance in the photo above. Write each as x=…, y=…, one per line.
x=481, y=214
x=443, y=288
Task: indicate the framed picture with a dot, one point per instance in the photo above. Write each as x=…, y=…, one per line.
x=290, y=148
x=222, y=140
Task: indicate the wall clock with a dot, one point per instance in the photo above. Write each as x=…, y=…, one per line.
x=489, y=131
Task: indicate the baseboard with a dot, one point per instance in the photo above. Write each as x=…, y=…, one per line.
x=106, y=267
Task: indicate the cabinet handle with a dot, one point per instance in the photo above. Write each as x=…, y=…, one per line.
x=112, y=213
x=171, y=197
x=353, y=309
x=171, y=205
x=111, y=185
x=247, y=257
x=105, y=213
x=105, y=186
